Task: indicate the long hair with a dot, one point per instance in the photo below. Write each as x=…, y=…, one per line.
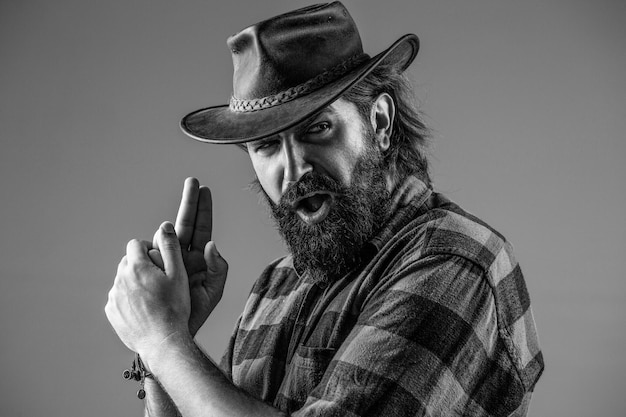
x=409, y=136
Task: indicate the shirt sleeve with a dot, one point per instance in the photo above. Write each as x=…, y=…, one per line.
x=426, y=343
x=226, y=362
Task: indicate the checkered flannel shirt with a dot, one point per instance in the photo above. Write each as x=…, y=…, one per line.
x=435, y=322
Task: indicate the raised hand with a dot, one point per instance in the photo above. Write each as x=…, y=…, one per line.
x=148, y=304
x=205, y=267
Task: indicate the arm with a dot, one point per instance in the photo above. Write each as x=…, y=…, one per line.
x=158, y=403
x=149, y=309
x=194, y=228
x=197, y=385
x=162, y=293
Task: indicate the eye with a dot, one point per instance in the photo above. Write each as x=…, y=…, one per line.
x=266, y=146
x=320, y=127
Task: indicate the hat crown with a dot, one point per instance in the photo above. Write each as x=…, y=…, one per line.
x=288, y=50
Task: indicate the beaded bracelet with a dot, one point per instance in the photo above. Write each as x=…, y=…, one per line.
x=139, y=373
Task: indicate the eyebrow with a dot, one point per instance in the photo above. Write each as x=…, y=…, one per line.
x=314, y=116
x=299, y=127
x=309, y=120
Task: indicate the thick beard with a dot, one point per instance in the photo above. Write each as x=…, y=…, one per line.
x=331, y=248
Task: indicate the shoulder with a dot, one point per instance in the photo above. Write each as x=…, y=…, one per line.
x=452, y=230
x=447, y=229
x=450, y=254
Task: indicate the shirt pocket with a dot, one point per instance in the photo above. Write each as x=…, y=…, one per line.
x=306, y=371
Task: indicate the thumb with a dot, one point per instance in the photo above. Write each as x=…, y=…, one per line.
x=216, y=265
x=169, y=246
x=155, y=257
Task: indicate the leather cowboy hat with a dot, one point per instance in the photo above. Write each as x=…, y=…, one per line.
x=289, y=67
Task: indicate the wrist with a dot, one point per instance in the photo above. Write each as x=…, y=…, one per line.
x=156, y=357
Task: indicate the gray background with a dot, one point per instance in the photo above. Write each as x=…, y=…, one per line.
x=527, y=100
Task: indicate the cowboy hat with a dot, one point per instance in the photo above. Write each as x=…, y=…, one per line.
x=288, y=68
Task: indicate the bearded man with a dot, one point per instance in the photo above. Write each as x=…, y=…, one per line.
x=393, y=301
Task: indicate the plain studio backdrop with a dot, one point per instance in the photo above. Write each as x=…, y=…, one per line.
x=526, y=100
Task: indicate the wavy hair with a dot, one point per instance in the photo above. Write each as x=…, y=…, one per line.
x=409, y=136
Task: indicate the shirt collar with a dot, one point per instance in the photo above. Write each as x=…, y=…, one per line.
x=408, y=198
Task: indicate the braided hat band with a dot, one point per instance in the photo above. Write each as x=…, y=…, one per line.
x=245, y=106
x=287, y=68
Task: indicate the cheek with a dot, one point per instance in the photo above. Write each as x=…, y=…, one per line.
x=269, y=180
x=343, y=167
x=351, y=146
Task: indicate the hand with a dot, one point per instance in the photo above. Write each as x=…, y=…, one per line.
x=148, y=304
x=205, y=267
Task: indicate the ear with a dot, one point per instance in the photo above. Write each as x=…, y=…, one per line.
x=381, y=117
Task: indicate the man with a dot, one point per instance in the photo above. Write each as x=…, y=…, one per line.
x=393, y=301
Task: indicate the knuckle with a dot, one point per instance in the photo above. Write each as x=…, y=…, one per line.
x=131, y=243
x=136, y=269
x=117, y=279
x=108, y=308
x=122, y=265
x=112, y=294
x=171, y=245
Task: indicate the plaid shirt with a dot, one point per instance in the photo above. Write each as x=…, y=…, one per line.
x=436, y=321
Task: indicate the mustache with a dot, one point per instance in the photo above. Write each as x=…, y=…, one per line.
x=309, y=183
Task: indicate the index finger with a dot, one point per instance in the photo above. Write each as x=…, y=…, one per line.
x=204, y=220
x=137, y=250
x=186, y=217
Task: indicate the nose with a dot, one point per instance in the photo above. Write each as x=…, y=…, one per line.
x=296, y=162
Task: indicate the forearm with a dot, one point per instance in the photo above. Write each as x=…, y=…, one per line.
x=197, y=386
x=158, y=402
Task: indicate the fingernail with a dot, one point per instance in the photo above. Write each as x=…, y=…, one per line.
x=168, y=227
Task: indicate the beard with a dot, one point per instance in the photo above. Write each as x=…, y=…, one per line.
x=332, y=247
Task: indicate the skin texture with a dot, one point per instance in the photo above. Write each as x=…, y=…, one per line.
x=330, y=248
x=329, y=143
x=335, y=156
x=164, y=290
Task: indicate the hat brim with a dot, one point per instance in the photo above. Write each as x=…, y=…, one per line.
x=219, y=124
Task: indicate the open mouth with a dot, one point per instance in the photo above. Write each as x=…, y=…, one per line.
x=314, y=207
